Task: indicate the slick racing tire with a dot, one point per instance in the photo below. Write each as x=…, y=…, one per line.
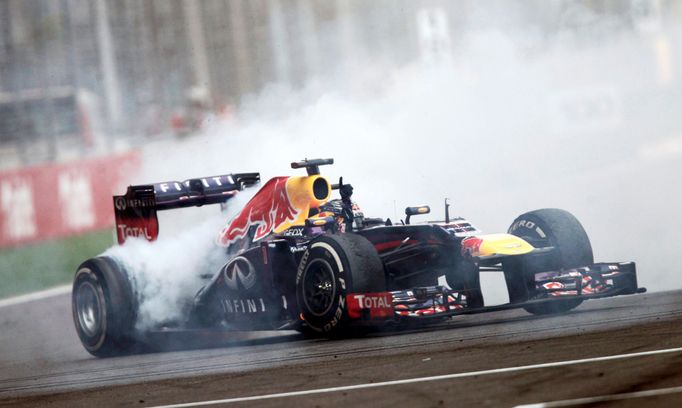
x=104, y=307
x=560, y=229
x=332, y=267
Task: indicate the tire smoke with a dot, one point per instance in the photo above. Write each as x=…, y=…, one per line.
x=511, y=121
x=167, y=273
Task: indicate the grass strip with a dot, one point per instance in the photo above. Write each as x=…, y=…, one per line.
x=46, y=264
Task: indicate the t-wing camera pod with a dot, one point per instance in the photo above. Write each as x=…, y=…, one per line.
x=312, y=166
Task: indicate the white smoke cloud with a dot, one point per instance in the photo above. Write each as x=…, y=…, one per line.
x=512, y=122
x=167, y=273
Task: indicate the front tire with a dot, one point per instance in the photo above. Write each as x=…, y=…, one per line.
x=332, y=267
x=104, y=307
x=560, y=229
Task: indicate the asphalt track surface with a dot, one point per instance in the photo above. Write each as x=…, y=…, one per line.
x=503, y=359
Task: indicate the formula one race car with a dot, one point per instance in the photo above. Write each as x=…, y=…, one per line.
x=296, y=259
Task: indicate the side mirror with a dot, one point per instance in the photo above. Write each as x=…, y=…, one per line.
x=410, y=211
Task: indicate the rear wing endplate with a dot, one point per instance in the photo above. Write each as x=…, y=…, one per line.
x=135, y=212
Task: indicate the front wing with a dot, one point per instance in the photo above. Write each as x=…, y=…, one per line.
x=599, y=280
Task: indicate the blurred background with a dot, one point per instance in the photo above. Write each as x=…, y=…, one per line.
x=501, y=106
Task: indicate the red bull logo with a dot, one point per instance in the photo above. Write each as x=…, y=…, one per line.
x=471, y=246
x=268, y=210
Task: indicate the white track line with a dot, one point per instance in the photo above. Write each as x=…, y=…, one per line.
x=424, y=379
x=603, y=398
x=44, y=294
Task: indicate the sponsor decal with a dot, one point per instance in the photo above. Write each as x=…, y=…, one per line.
x=295, y=249
x=135, y=215
x=529, y=225
x=120, y=203
x=524, y=224
x=239, y=274
x=243, y=306
x=139, y=203
x=164, y=187
x=207, y=182
x=369, y=302
x=301, y=266
x=125, y=231
x=268, y=210
x=135, y=220
x=337, y=316
x=374, y=305
x=294, y=232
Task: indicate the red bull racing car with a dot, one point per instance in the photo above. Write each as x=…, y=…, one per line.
x=296, y=259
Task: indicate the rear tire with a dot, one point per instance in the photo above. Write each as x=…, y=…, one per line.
x=104, y=307
x=560, y=229
x=332, y=267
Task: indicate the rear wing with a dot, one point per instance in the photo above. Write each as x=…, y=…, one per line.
x=135, y=211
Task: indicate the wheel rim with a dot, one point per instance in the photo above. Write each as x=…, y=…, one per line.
x=319, y=287
x=88, y=308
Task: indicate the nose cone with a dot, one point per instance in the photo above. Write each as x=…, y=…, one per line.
x=496, y=244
